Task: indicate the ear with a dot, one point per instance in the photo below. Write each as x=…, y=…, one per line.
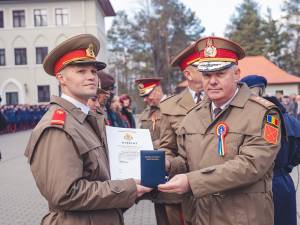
x=187, y=74
x=61, y=79
x=237, y=74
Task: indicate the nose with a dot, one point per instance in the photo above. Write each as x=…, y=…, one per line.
x=213, y=80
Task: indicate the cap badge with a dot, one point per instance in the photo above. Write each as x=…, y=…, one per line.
x=141, y=86
x=210, y=50
x=90, y=51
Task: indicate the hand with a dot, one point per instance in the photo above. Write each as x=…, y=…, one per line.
x=140, y=189
x=178, y=184
x=167, y=165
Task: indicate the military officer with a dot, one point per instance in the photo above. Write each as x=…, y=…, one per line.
x=228, y=144
x=173, y=110
x=151, y=90
x=67, y=150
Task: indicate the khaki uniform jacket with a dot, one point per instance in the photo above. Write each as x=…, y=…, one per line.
x=234, y=189
x=150, y=119
x=173, y=110
x=70, y=166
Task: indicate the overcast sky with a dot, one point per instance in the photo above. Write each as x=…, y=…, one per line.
x=214, y=14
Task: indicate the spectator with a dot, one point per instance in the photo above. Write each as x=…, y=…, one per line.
x=279, y=95
x=115, y=113
x=126, y=110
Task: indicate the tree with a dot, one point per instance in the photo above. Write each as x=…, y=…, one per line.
x=246, y=28
x=291, y=8
x=159, y=30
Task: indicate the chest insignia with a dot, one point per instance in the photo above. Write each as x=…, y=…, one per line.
x=58, y=117
x=221, y=131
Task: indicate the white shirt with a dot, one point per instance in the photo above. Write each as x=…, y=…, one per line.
x=193, y=93
x=84, y=108
x=213, y=106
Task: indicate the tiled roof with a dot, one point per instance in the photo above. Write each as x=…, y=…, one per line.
x=259, y=65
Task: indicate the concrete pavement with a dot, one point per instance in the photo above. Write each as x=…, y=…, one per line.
x=20, y=201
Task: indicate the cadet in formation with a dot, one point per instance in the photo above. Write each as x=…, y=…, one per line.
x=67, y=150
x=174, y=109
x=228, y=144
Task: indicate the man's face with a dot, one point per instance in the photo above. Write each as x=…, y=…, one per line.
x=154, y=98
x=220, y=86
x=79, y=82
x=194, y=77
x=93, y=103
x=102, y=98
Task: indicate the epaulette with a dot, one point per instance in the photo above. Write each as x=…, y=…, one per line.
x=261, y=101
x=167, y=98
x=58, y=117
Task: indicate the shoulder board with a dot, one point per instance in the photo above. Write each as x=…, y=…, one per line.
x=261, y=101
x=58, y=117
x=167, y=98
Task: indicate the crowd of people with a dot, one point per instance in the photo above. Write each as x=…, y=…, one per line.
x=221, y=137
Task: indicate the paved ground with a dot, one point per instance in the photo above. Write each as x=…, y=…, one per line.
x=20, y=201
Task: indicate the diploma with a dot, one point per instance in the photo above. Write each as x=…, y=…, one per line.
x=124, y=146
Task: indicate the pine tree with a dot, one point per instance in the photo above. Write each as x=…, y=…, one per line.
x=246, y=28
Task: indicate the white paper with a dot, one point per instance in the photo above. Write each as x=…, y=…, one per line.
x=124, y=146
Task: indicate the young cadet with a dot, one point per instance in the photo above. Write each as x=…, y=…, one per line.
x=173, y=110
x=227, y=144
x=67, y=150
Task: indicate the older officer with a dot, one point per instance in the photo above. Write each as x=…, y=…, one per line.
x=284, y=193
x=173, y=110
x=228, y=144
x=151, y=90
x=67, y=150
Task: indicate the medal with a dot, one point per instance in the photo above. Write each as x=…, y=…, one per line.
x=221, y=131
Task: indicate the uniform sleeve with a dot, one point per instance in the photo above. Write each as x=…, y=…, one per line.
x=179, y=163
x=168, y=137
x=255, y=159
x=58, y=171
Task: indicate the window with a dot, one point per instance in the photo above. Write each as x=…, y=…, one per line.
x=20, y=56
x=19, y=18
x=2, y=57
x=41, y=53
x=40, y=17
x=12, y=98
x=43, y=93
x=1, y=19
x=61, y=16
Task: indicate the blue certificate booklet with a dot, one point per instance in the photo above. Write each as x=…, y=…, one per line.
x=152, y=168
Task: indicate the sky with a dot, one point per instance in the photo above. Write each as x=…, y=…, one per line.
x=214, y=14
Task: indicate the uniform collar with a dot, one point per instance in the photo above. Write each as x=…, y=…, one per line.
x=84, y=108
x=193, y=93
x=69, y=107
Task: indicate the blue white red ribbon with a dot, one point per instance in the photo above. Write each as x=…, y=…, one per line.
x=221, y=131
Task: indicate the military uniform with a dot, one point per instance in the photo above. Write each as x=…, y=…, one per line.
x=228, y=156
x=68, y=156
x=166, y=211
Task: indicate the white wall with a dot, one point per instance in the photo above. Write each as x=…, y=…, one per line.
x=85, y=16
x=287, y=89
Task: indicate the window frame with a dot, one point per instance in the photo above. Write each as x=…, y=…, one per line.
x=64, y=17
x=2, y=57
x=45, y=97
x=43, y=18
x=19, y=24
x=40, y=56
x=22, y=57
x=1, y=19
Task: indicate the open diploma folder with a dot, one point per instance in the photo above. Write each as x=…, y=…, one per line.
x=124, y=145
x=152, y=168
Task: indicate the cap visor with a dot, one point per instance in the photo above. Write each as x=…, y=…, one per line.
x=214, y=66
x=97, y=64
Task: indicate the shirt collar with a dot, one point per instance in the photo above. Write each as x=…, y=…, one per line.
x=193, y=93
x=213, y=106
x=84, y=108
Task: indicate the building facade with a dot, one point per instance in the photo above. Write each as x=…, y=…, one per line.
x=29, y=30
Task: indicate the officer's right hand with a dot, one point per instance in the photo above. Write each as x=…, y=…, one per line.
x=140, y=189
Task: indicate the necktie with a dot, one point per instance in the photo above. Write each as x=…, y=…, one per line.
x=216, y=112
x=198, y=97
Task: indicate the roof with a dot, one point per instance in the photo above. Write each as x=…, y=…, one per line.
x=105, y=5
x=259, y=65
